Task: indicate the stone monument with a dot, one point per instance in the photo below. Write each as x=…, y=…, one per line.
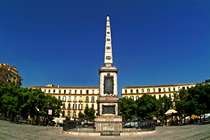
x=108, y=119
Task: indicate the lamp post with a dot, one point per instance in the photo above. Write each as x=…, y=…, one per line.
x=163, y=110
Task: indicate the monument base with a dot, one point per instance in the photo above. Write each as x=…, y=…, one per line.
x=108, y=123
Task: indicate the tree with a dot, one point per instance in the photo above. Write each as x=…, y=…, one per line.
x=147, y=107
x=27, y=102
x=127, y=108
x=164, y=104
x=81, y=116
x=89, y=114
x=194, y=100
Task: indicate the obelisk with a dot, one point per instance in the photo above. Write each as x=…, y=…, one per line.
x=108, y=119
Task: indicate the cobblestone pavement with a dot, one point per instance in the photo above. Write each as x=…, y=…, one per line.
x=11, y=131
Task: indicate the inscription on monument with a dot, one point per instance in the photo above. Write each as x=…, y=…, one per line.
x=108, y=85
x=108, y=109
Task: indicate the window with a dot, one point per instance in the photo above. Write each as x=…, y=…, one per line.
x=132, y=97
x=164, y=90
x=142, y=90
x=59, y=91
x=81, y=106
x=183, y=88
x=125, y=90
x=64, y=91
x=169, y=89
x=93, y=91
x=69, y=106
x=53, y=90
x=92, y=106
x=80, y=91
x=108, y=48
x=75, y=106
x=64, y=98
x=108, y=32
x=87, y=99
x=159, y=89
x=64, y=107
x=80, y=98
x=75, y=91
x=153, y=89
x=59, y=98
x=49, y=91
x=174, y=89
x=170, y=96
x=159, y=96
x=92, y=99
x=69, y=91
x=137, y=91
x=108, y=39
x=131, y=91
x=148, y=90
x=137, y=97
x=87, y=91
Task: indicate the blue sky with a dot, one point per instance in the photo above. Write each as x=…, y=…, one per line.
x=62, y=42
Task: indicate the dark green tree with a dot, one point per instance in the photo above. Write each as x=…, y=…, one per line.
x=89, y=114
x=147, y=107
x=127, y=108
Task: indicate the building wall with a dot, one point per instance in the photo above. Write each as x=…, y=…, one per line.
x=9, y=74
x=74, y=99
x=158, y=91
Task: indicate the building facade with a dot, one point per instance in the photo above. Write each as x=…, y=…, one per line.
x=9, y=75
x=74, y=98
x=157, y=91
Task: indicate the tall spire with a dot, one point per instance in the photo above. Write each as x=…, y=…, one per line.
x=108, y=59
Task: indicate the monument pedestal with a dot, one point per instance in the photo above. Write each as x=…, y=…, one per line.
x=108, y=123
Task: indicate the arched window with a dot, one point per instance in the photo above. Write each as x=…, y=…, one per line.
x=159, y=89
x=137, y=91
x=131, y=91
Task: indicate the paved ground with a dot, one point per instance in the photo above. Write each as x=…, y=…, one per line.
x=11, y=131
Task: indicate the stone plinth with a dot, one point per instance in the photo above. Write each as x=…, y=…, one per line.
x=111, y=123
